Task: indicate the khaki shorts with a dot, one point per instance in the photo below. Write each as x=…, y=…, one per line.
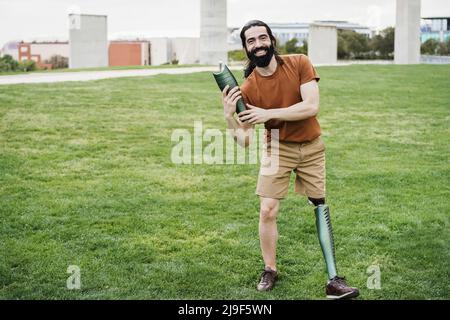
x=306, y=159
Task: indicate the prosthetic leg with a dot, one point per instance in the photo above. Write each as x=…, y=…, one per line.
x=336, y=287
x=325, y=234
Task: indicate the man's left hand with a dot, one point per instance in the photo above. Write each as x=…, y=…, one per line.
x=254, y=115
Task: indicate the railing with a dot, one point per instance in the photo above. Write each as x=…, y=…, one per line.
x=435, y=59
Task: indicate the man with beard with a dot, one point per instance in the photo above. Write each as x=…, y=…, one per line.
x=282, y=92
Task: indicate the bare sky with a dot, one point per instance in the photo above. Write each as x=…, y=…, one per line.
x=46, y=19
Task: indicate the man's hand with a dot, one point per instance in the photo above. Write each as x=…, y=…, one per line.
x=229, y=101
x=255, y=115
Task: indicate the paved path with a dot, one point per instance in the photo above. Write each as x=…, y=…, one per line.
x=46, y=77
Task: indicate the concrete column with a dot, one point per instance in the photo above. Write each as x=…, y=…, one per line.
x=407, y=32
x=213, y=31
x=159, y=51
x=88, y=41
x=322, y=43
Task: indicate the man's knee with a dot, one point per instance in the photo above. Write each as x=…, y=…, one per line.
x=269, y=209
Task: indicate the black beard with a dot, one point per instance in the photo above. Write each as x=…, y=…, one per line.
x=262, y=61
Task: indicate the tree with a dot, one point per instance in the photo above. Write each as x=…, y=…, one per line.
x=237, y=55
x=343, y=51
x=352, y=44
x=304, y=47
x=291, y=46
x=7, y=63
x=58, y=62
x=383, y=44
x=442, y=49
x=429, y=47
x=27, y=65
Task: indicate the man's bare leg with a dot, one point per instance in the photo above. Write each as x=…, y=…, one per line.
x=268, y=236
x=268, y=232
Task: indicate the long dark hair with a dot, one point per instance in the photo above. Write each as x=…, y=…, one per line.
x=251, y=65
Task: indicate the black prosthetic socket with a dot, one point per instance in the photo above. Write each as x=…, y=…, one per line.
x=316, y=202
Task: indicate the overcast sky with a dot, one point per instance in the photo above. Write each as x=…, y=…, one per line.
x=34, y=19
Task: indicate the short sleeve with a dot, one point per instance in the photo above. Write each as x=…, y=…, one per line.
x=245, y=97
x=306, y=70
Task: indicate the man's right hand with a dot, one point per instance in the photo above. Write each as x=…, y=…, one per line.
x=229, y=101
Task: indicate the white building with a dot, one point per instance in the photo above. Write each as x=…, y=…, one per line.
x=11, y=48
x=166, y=50
x=41, y=51
x=284, y=32
x=435, y=28
x=88, y=41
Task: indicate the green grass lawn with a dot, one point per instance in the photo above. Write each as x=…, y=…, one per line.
x=86, y=179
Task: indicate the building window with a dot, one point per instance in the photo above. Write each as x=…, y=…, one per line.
x=23, y=49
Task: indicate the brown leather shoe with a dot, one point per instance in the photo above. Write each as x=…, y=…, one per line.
x=338, y=289
x=268, y=279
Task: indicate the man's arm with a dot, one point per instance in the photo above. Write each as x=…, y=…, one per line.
x=308, y=108
x=242, y=132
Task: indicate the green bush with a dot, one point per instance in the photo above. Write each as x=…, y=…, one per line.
x=237, y=55
x=435, y=47
x=27, y=65
x=429, y=47
x=292, y=46
x=7, y=64
x=442, y=49
x=58, y=62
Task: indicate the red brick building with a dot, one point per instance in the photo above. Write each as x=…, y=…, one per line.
x=129, y=53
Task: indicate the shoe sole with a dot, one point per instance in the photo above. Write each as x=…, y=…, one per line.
x=347, y=295
x=264, y=289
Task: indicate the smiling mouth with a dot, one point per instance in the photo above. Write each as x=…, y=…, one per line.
x=260, y=53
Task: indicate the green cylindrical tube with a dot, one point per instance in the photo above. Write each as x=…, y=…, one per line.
x=224, y=78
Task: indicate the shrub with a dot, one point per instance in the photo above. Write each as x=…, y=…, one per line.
x=27, y=65
x=429, y=47
x=237, y=55
x=58, y=62
x=7, y=63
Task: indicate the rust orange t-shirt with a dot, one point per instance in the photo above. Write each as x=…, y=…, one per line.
x=281, y=90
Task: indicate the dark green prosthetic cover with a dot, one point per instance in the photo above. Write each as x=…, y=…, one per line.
x=325, y=233
x=224, y=78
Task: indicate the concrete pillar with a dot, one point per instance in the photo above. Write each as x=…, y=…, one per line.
x=159, y=51
x=407, y=32
x=322, y=43
x=213, y=31
x=88, y=41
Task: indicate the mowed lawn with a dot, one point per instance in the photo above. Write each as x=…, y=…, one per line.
x=87, y=180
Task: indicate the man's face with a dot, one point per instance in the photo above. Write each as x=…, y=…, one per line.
x=258, y=46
